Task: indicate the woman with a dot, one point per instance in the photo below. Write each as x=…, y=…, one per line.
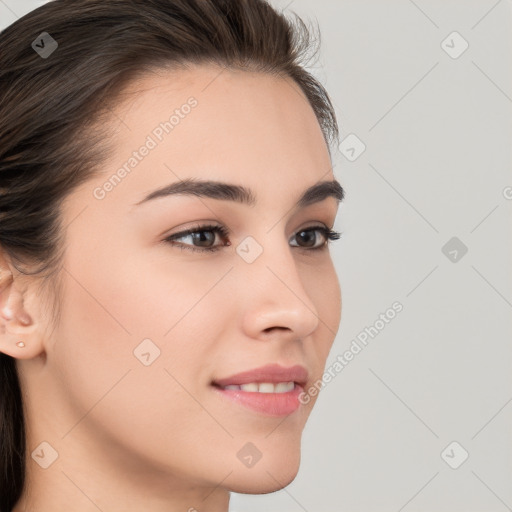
x=167, y=292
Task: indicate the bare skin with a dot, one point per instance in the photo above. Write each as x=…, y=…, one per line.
x=132, y=437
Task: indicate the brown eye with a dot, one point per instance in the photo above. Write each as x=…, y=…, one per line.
x=309, y=237
x=202, y=238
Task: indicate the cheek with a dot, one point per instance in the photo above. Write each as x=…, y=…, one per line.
x=322, y=286
x=96, y=337
x=108, y=390
x=108, y=325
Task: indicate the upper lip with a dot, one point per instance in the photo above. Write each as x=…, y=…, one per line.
x=268, y=373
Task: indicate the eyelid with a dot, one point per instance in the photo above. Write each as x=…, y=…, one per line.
x=207, y=226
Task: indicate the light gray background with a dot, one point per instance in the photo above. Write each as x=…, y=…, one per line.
x=438, y=133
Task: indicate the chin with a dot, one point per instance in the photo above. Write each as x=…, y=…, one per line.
x=268, y=476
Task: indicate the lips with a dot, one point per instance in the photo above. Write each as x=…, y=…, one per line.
x=277, y=393
x=272, y=373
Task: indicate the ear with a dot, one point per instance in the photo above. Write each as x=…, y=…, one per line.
x=16, y=324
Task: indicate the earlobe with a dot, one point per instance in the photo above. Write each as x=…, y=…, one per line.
x=18, y=341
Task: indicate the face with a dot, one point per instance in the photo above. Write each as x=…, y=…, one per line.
x=151, y=317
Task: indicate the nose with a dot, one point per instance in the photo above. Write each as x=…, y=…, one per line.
x=274, y=297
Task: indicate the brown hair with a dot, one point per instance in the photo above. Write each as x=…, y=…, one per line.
x=50, y=102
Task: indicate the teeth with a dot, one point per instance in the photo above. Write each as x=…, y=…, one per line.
x=264, y=387
x=283, y=387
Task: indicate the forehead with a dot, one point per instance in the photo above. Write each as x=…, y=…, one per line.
x=230, y=105
x=215, y=123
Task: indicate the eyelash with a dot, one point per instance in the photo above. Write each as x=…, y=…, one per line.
x=329, y=235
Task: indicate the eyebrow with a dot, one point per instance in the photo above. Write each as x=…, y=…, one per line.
x=229, y=192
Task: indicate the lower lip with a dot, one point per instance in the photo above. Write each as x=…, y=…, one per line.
x=272, y=404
